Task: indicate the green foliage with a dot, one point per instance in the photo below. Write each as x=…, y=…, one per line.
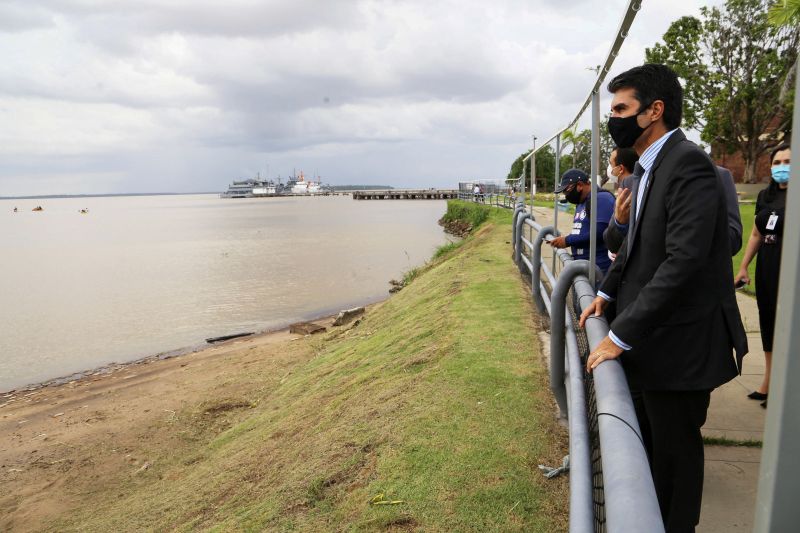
x=723, y=441
x=576, y=150
x=517, y=168
x=785, y=13
x=446, y=249
x=737, y=71
x=471, y=212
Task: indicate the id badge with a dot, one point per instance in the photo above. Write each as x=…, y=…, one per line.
x=773, y=220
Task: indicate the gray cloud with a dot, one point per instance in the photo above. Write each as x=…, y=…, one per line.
x=157, y=95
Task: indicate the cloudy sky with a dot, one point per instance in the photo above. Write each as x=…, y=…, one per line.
x=109, y=96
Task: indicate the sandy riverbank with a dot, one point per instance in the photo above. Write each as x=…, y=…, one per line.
x=58, y=441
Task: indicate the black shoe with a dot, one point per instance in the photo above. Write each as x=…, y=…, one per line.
x=755, y=395
x=764, y=404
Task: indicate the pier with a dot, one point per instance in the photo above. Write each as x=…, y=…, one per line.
x=407, y=194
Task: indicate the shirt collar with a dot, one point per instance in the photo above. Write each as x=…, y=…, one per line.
x=648, y=157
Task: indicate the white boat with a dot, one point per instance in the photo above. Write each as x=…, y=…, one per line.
x=301, y=186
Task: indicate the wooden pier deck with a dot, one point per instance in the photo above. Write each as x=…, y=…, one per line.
x=406, y=194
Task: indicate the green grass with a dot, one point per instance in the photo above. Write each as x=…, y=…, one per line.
x=438, y=399
x=747, y=212
x=723, y=441
x=473, y=213
x=446, y=249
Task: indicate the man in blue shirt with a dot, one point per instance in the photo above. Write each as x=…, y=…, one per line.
x=577, y=188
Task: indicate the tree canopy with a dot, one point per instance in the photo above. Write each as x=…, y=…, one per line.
x=737, y=70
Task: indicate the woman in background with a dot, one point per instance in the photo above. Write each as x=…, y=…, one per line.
x=766, y=241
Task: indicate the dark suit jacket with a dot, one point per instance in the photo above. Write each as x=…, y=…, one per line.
x=613, y=236
x=674, y=280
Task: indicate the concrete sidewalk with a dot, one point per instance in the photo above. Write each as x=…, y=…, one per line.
x=731, y=472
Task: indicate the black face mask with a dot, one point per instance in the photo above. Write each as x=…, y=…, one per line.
x=625, y=131
x=573, y=196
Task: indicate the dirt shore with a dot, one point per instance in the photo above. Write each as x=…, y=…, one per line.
x=62, y=442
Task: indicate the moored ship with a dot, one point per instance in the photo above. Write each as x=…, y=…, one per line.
x=252, y=188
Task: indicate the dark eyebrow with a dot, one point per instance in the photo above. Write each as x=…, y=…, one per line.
x=619, y=107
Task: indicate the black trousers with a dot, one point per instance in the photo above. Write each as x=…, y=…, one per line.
x=672, y=421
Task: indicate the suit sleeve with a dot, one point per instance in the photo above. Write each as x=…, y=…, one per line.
x=613, y=236
x=612, y=277
x=691, y=202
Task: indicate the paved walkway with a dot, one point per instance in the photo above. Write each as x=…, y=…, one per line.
x=731, y=472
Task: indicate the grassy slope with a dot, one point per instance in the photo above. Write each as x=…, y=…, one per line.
x=438, y=398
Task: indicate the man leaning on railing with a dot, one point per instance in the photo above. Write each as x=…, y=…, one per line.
x=677, y=319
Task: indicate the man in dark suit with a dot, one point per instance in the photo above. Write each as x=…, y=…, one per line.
x=677, y=321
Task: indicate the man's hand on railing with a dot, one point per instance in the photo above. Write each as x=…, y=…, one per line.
x=558, y=242
x=604, y=351
x=595, y=308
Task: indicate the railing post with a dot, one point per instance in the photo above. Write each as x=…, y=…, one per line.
x=558, y=308
x=555, y=196
x=536, y=261
x=518, y=237
x=595, y=171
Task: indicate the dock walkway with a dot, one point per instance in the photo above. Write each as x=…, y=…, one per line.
x=406, y=194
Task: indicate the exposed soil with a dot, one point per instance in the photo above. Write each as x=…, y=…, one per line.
x=62, y=442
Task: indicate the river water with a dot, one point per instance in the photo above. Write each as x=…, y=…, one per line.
x=142, y=275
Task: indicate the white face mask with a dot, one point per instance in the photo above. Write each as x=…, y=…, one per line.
x=609, y=172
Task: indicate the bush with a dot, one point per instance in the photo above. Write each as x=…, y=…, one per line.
x=472, y=213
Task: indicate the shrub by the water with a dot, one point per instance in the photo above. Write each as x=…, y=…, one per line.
x=463, y=217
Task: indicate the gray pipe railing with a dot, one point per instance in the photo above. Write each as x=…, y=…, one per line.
x=627, y=481
x=521, y=217
x=581, y=483
x=536, y=270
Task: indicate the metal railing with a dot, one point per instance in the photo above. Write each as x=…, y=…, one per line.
x=505, y=200
x=611, y=487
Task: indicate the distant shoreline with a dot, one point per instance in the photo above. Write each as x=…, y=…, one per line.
x=107, y=195
x=344, y=188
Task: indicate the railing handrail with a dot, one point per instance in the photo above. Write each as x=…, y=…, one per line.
x=627, y=480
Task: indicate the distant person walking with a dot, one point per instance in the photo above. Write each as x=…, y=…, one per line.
x=576, y=187
x=766, y=240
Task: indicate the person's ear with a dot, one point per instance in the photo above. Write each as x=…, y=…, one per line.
x=656, y=110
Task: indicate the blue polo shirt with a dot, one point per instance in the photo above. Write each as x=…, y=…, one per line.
x=580, y=236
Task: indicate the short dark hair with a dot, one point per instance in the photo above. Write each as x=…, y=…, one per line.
x=652, y=82
x=627, y=157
